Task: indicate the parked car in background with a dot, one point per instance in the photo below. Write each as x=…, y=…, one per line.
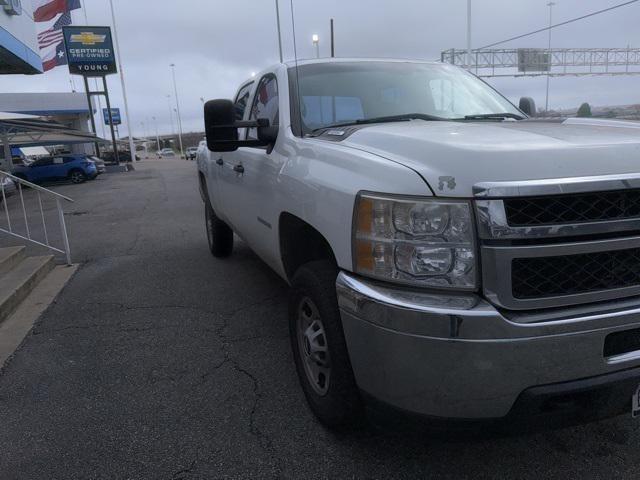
x=110, y=159
x=7, y=187
x=100, y=165
x=77, y=168
x=191, y=153
x=202, y=150
x=167, y=152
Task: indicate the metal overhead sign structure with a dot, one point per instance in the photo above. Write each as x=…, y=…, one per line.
x=556, y=62
x=90, y=53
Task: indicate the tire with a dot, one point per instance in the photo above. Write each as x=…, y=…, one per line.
x=219, y=235
x=313, y=308
x=77, y=176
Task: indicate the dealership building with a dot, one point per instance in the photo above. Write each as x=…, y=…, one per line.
x=19, y=52
x=63, y=108
x=58, y=114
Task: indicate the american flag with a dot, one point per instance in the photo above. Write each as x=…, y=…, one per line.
x=53, y=35
x=51, y=43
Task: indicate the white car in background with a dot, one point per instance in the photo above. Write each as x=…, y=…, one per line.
x=191, y=152
x=167, y=152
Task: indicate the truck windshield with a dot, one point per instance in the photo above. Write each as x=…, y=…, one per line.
x=361, y=92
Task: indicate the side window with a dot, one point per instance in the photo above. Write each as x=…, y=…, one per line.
x=241, y=101
x=45, y=162
x=69, y=159
x=265, y=103
x=58, y=160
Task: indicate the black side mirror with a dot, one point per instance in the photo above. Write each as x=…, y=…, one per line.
x=268, y=135
x=221, y=128
x=219, y=119
x=528, y=106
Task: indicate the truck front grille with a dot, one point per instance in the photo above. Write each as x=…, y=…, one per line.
x=571, y=209
x=540, y=277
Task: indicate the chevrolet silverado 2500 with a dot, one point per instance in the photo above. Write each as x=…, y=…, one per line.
x=448, y=256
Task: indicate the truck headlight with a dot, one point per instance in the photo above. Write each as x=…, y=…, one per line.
x=418, y=241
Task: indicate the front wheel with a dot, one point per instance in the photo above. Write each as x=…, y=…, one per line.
x=319, y=347
x=219, y=235
x=77, y=176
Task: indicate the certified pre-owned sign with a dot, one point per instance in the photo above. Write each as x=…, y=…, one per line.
x=90, y=51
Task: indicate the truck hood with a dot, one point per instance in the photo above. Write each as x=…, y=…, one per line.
x=454, y=156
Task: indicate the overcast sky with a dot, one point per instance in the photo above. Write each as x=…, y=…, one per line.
x=217, y=44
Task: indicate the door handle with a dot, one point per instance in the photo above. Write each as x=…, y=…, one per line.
x=219, y=162
x=238, y=169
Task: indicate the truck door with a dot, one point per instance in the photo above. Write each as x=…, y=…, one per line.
x=216, y=163
x=250, y=175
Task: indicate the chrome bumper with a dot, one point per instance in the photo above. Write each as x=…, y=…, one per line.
x=456, y=356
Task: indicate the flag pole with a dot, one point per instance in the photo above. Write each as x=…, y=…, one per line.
x=95, y=80
x=132, y=146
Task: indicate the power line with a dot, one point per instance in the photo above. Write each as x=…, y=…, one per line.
x=561, y=24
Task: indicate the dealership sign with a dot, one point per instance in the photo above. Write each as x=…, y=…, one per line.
x=115, y=115
x=90, y=51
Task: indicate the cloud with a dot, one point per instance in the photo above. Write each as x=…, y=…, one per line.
x=216, y=44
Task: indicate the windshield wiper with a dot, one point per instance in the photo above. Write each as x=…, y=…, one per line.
x=392, y=118
x=490, y=116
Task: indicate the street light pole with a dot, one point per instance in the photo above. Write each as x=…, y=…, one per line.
x=175, y=88
x=469, y=61
x=333, y=43
x=132, y=147
x=95, y=80
x=550, y=5
x=316, y=41
x=279, y=33
x=155, y=121
x=170, y=115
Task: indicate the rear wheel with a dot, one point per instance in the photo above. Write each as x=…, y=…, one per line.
x=219, y=235
x=77, y=176
x=319, y=347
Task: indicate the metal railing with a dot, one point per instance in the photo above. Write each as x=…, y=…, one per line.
x=20, y=184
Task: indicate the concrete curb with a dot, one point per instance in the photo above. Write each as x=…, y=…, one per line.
x=16, y=327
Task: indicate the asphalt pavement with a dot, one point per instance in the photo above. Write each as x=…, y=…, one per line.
x=160, y=362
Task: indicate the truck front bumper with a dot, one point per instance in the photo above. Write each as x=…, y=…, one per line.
x=458, y=357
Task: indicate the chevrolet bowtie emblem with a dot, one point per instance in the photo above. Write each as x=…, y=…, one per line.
x=88, y=38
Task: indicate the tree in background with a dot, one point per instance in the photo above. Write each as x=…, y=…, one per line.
x=584, y=110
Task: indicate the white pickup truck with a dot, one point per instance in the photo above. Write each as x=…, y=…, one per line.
x=449, y=257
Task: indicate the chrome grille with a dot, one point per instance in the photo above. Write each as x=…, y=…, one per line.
x=575, y=274
x=559, y=242
x=571, y=209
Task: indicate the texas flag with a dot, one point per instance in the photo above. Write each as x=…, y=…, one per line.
x=51, y=42
x=45, y=10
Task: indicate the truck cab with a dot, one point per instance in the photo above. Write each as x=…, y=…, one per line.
x=448, y=256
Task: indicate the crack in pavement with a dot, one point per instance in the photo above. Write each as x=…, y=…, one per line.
x=263, y=439
x=181, y=474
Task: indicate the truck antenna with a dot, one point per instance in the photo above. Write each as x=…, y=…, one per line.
x=295, y=57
